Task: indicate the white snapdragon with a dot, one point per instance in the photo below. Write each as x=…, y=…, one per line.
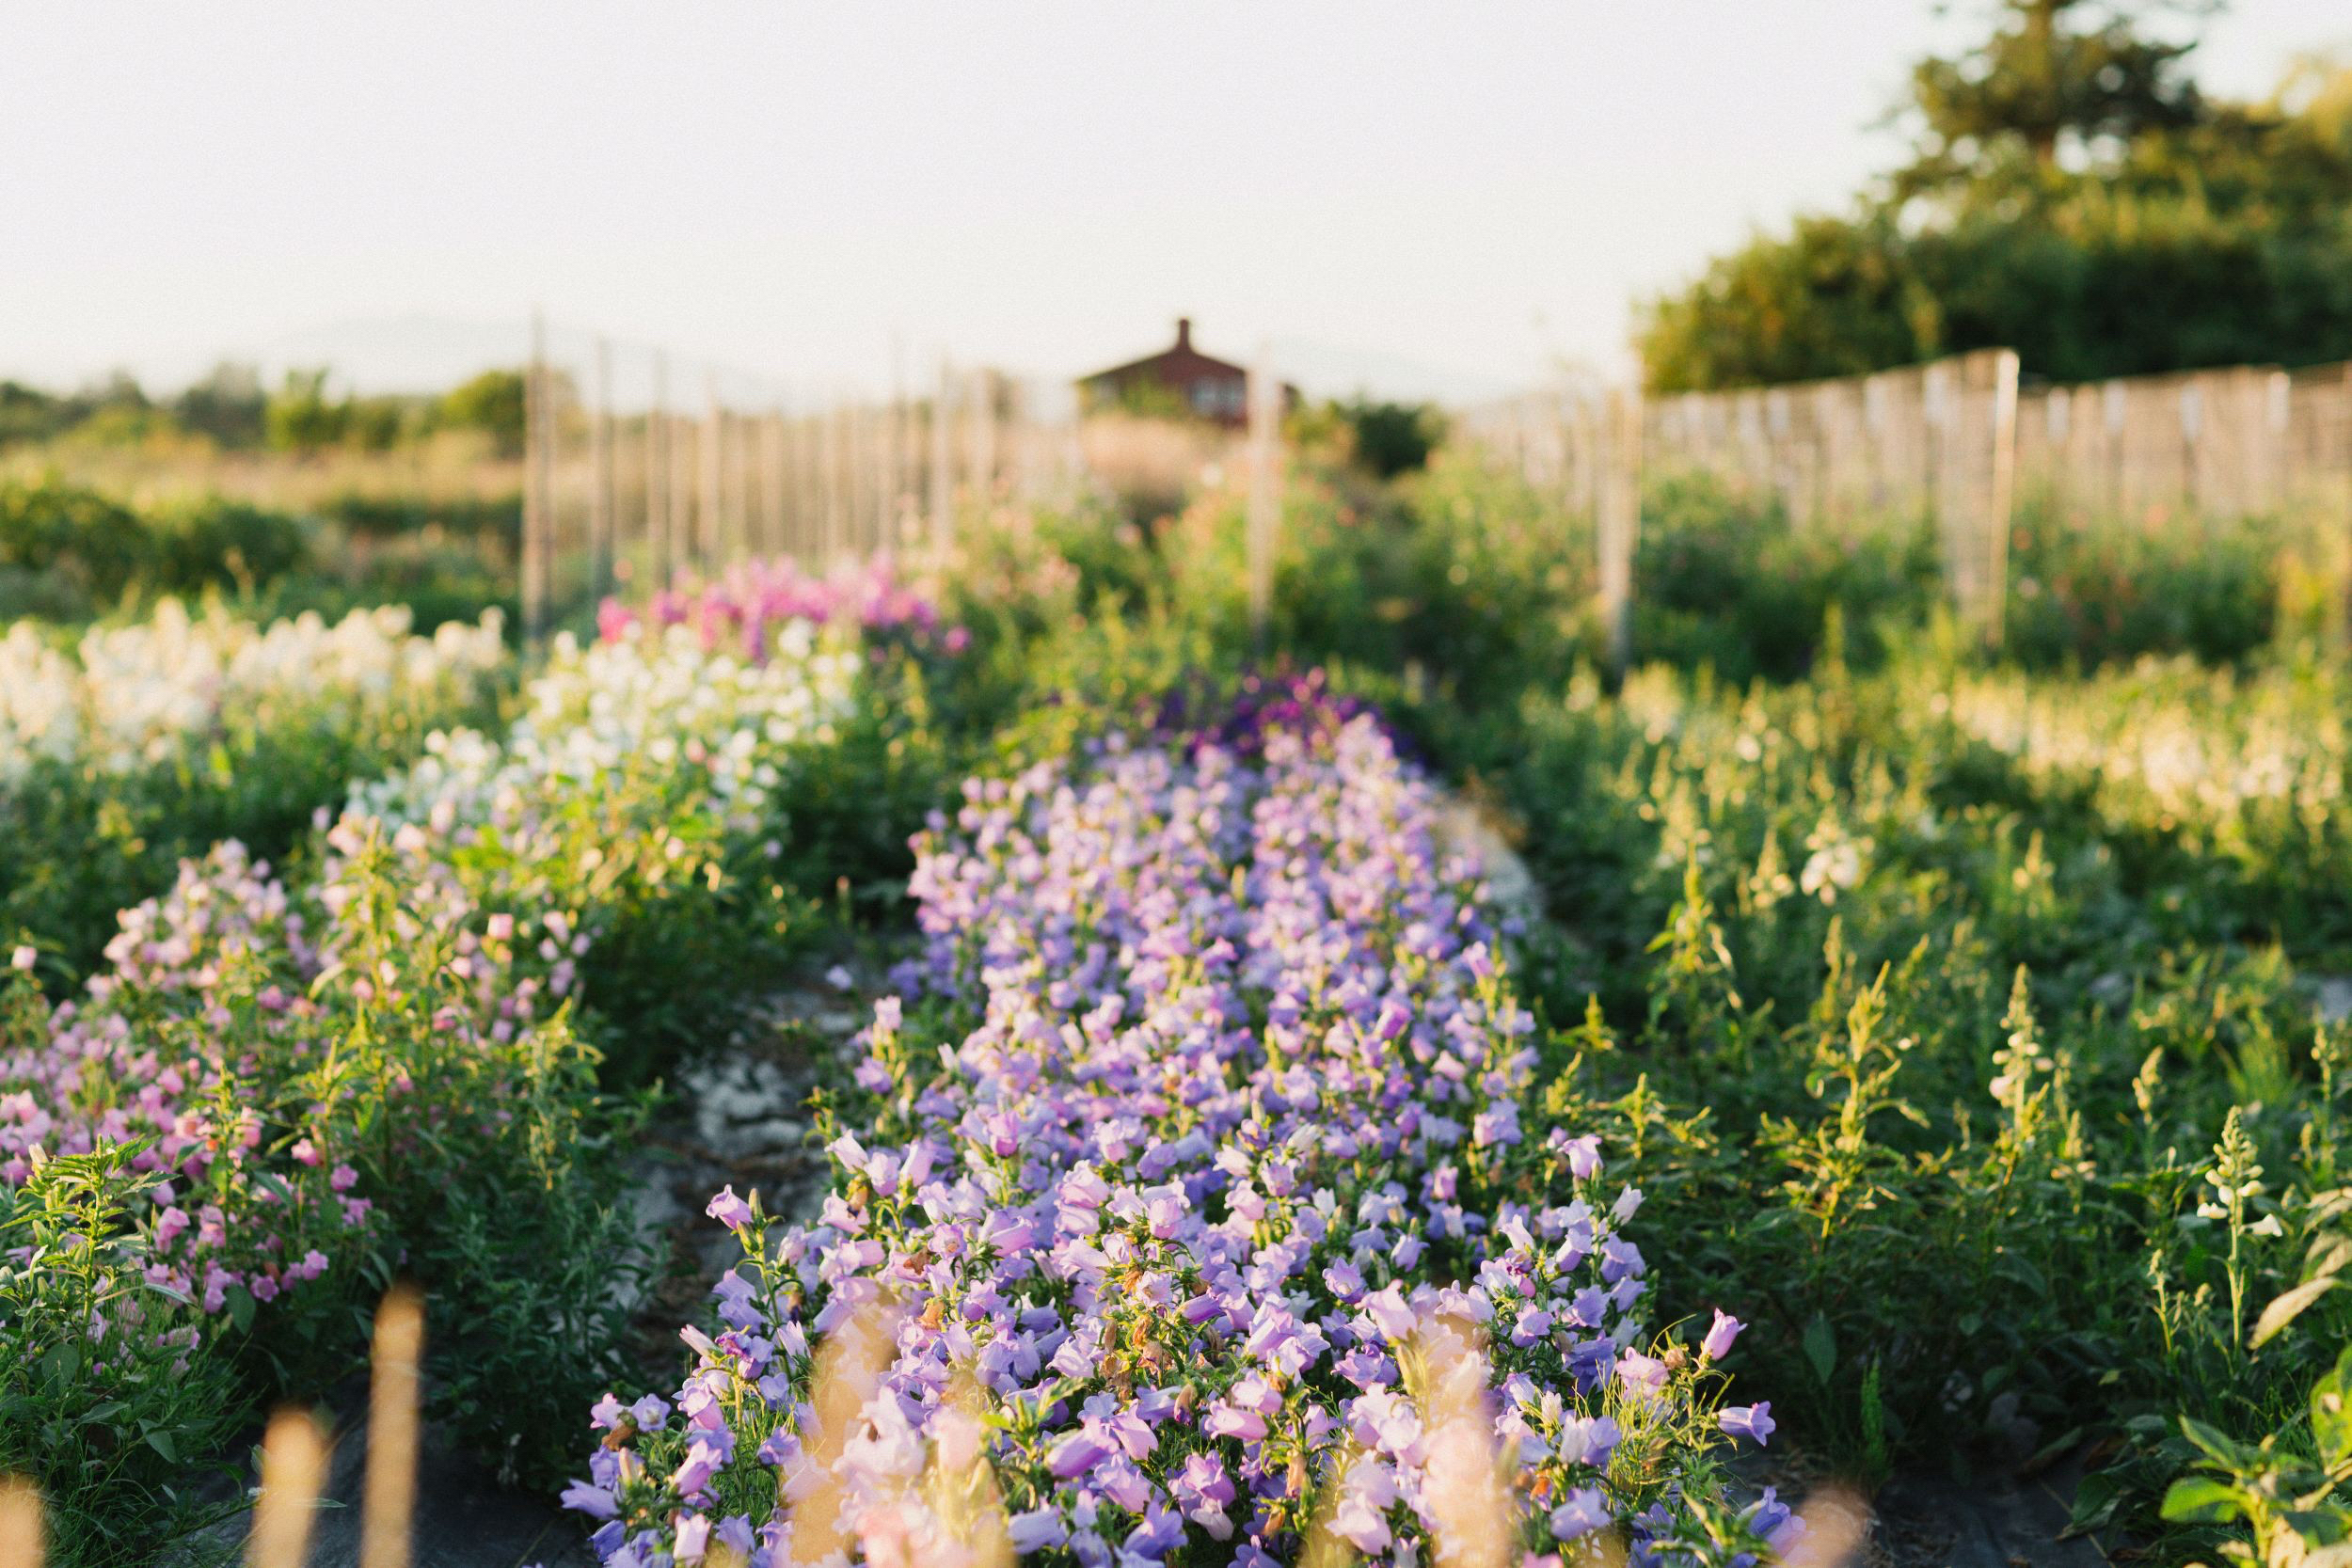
x=135, y=696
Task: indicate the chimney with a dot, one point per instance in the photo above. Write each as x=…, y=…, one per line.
x=1183, y=332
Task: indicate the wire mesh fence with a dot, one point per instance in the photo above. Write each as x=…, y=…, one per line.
x=1957, y=442
x=642, y=466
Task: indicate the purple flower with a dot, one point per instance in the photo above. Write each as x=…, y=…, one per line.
x=1226, y=1420
x=595, y=1501
x=1077, y=1453
x=1752, y=1421
x=1036, y=1530
x=1717, y=1344
x=1588, y=1440
x=692, y=1476
x=1582, y=1512
x=1583, y=1156
x=729, y=1209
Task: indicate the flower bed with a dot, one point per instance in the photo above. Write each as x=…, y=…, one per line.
x=741, y=608
x=135, y=696
x=1191, y=1200
x=145, y=744
x=273, y=1082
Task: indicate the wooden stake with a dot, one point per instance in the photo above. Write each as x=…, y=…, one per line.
x=391, y=1481
x=984, y=436
x=2002, y=496
x=539, y=485
x=294, y=1465
x=660, y=524
x=779, y=475
x=710, y=538
x=942, y=464
x=1618, y=521
x=1264, y=397
x=20, y=1524
x=600, y=486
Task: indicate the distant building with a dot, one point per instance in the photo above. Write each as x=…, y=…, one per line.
x=1177, y=379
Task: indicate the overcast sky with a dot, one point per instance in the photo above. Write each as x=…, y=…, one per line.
x=1430, y=198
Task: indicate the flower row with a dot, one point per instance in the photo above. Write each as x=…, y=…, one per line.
x=133, y=696
x=741, y=608
x=273, y=1080
x=1191, y=1205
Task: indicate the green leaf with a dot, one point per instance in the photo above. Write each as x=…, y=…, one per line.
x=240, y=1304
x=2215, y=1446
x=2200, y=1500
x=2282, y=1310
x=2095, y=1502
x=1821, y=1348
x=2329, y=1254
x=159, y=1438
x=2331, y=1412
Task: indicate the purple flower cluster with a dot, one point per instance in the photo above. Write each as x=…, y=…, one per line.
x=1259, y=704
x=1191, y=1209
x=740, y=610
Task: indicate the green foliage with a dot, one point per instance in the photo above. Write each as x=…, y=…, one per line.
x=301, y=415
x=491, y=403
x=113, y=1415
x=2054, y=76
x=228, y=405
x=1835, y=296
x=75, y=550
x=29, y=414
x=60, y=545
x=2093, y=591
x=2291, y=1493
x=1386, y=439
x=2071, y=195
x=1734, y=586
x=499, y=1168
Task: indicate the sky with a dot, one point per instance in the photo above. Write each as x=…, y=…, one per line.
x=1432, y=199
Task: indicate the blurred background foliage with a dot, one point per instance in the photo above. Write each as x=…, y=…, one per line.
x=2069, y=193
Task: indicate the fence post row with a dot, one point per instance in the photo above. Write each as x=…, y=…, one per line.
x=621, y=489
x=1958, y=441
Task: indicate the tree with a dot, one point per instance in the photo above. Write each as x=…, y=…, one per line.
x=1387, y=439
x=301, y=416
x=28, y=414
x=2071, y=195
x=1835, y=296
x=2055, y=77
x=491, y=402
x=228, y=405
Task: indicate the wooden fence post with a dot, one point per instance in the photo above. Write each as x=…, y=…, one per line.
x=1263, y=396
x=1617, y=526
x=538, y=486
x=660, y=458
x=942, y=461
x=984, y=436
x=771, y=489
x=600, y=489
x=710, y=537
x=2343, y=598
x=1999, y=504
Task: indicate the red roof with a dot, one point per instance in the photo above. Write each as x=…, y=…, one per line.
x=1180, y=365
